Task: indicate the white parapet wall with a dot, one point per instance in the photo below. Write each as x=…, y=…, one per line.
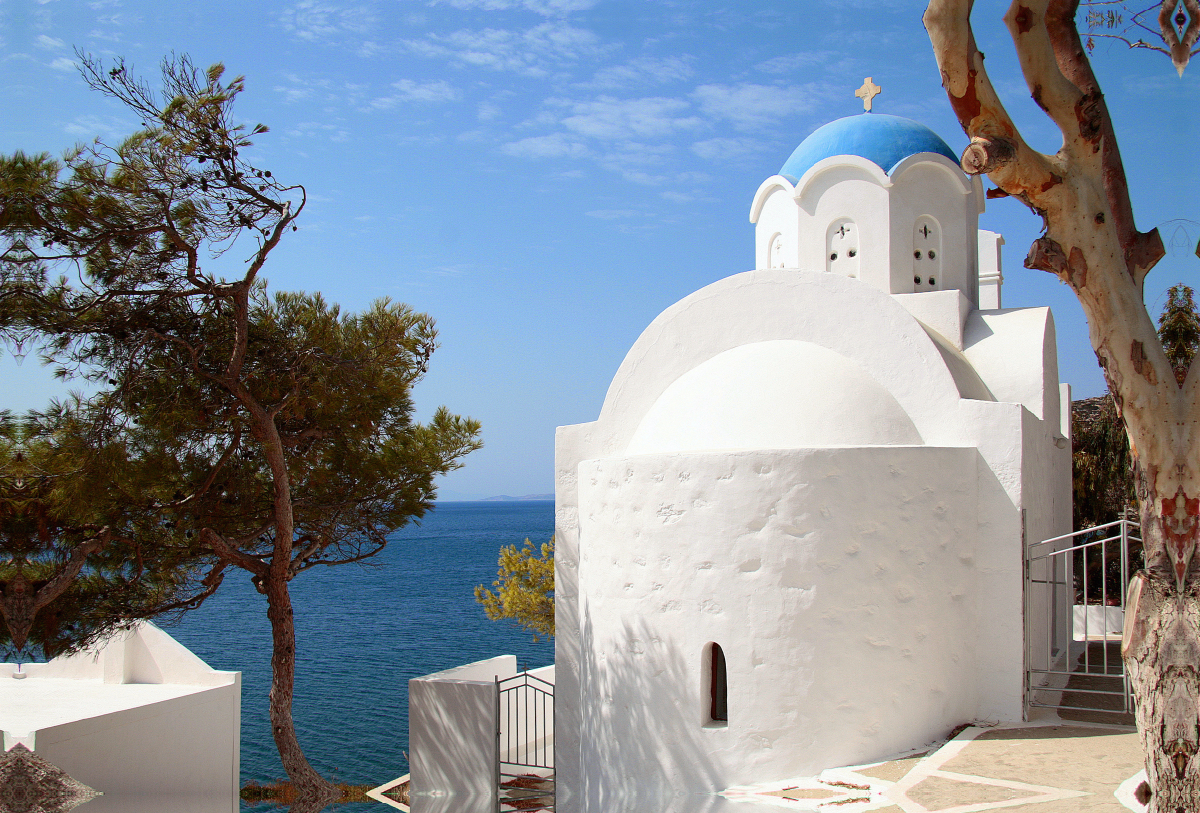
x=452, y=735
x=137, y=716
x=1096, y=622
x=452, y=723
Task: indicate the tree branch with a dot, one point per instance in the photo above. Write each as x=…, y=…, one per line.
x=219, y=546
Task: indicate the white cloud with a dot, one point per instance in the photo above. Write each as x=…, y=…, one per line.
x=557, y=145
x=548, y=8
x=644, y=178
x=633, y=153
x=611, y=214
x=318, y=129
x=751, y=106
x=608, y=118
x=313, y=20
x=63, y=64
x=676, y=197
x=108, y=128
x=293, y=94
x=531, y=52
x=725, y=149
x=792, y=62
x=643, y=71
x=49, y=43
x=321, y=91
x=488, y=111
x=409, y=91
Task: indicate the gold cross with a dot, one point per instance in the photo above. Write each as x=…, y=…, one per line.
x=868, y=92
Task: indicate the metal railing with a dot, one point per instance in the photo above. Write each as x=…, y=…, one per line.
x=524, y=743
x=1074, y=612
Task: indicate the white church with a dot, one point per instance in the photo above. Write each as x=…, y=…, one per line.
x=793, y=537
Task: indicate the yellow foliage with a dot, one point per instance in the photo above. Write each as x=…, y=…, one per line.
x=524, y=588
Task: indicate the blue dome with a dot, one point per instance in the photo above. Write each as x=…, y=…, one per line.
x=885, y=140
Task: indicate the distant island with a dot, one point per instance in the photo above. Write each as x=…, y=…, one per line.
x=506, y=498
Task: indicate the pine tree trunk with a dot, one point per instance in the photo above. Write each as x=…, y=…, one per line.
x=313, y=788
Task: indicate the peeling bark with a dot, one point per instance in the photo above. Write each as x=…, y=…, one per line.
x=1141, y=362
x=1162, y=653
x=1091, y=243
x=986, y=154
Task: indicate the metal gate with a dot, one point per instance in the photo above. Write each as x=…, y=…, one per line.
x=1074, y=613
x=524, y=743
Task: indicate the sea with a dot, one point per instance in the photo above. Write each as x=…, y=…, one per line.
x=363, y=631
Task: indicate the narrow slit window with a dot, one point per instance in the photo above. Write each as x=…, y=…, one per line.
x=718, y=688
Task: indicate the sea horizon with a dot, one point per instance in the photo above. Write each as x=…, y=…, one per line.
x=364, y=631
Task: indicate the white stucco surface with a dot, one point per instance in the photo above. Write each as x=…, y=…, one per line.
x=137, y=715
x=452, y=735
x=782, y=394
x=830, y=467
x=36, y=703
x=840, y=584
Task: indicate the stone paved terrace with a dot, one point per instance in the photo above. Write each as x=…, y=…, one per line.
x=1049, y=767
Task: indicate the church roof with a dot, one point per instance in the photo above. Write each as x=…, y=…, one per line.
x=885, y=140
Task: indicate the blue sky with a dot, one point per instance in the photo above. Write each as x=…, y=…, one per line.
x=545, y=176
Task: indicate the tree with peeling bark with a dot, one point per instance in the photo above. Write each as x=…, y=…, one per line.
x=1101, y=467
x=1090, y=242
x=283, y=428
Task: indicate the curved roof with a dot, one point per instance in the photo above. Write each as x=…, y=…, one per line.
x=779, y=394
x=880, y=138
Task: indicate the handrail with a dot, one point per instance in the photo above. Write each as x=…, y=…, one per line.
x=1132, y=522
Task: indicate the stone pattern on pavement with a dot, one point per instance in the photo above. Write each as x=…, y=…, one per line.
x=1018, y=768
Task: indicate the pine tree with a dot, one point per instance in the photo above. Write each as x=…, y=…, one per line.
x=524, y=588
x=280, y=431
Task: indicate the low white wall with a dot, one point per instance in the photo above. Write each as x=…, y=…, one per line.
x=452, y=734
x=186, y=746
x=138, y=715
x=1096, y=621
x=142, y=654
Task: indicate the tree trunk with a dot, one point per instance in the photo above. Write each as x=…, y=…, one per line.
x=308, y=783
x=1091, y=244
x=1161, y=648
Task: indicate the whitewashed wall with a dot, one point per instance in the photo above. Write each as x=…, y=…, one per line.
x=838, y=582
x=984, y=386
x=452, y=735
x=184, y=746
x=137, y=715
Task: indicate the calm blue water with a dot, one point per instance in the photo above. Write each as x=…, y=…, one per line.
x=363, y=632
